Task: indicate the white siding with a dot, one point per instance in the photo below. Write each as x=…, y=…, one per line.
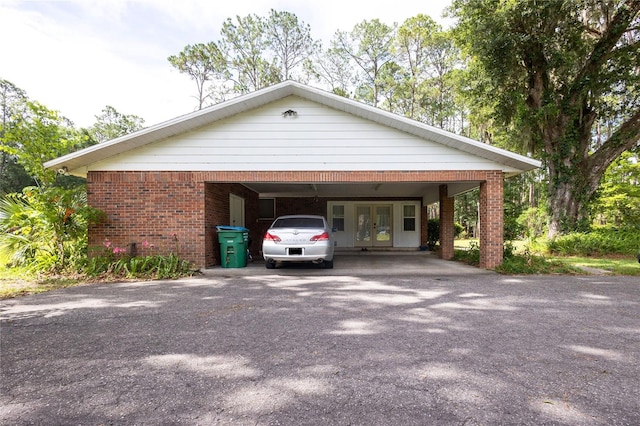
x=317, y=138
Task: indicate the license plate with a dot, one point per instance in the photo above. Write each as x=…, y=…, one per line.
x=295, y=252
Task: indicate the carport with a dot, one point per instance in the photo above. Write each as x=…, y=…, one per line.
x=290, y=149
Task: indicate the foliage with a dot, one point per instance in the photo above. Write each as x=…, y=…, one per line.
x=290, y=41
x=253, y=52
x=599, y=242
x=618, y=198
x=533, y=222
x=115, y=262
x=554, y=74
x=466, y=211
x=45, y=228
x=38, y=135
x=433, y=233
x=529, y=263
x=516, y=262
x=13, y=177
x=111, y=124
x=470, y=256
x=368, y=46
x=202, y=62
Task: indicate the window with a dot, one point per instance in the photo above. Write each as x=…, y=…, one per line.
x=337, y=214
x=267, y=207
x=409, y=218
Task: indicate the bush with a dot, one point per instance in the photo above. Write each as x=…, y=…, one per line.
x=533, y=222
x=433, y=232
x=151, y=267
x=528, y=263
x=599, y=242
x=45, y=229
x=470, y=256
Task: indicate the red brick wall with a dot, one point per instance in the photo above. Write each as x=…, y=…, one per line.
x=165, y=211
x=447, y=230
x=491, y=220
x=178, y=211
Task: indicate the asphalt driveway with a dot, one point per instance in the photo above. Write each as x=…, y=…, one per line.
x=308, y=346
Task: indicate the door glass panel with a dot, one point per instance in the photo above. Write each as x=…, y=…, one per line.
x=363, y=224
x=383, y=223
x=338, y=218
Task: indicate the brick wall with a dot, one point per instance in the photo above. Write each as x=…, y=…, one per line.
x=176, y=212
x=447, y=230
x=491, y=220
x=163, y=212
x=160, y=213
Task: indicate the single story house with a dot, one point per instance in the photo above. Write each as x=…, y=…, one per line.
x=290, y=149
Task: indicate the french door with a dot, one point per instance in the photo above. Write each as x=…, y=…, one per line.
x=374, y=225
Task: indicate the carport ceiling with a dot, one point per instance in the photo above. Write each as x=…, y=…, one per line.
x=429, y=191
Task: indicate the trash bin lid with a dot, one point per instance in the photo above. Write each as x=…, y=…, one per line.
x=231, y=228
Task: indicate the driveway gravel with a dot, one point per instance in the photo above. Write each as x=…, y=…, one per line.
x=306, y=346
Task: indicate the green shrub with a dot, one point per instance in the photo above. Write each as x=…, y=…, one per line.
x=533, y=222
x=148, y=267
x=45, y=229
x=598, y=242
x=433, y=233
x=470, y=256
x=528, y=263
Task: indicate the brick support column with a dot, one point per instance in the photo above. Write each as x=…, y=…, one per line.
x=447, y=231
x=491, y=220
x=424, y=226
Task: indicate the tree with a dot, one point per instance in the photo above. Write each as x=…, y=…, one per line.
x=203, y=63
x=618, y=201
x=112, y=124
x=40, y=135
x=368, y=45
x=13, y=100
x=243, y=45
x=414, y=38
x=289, y=40
x=556, y=71
x=333, y=68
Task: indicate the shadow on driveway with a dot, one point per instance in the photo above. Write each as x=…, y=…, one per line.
x=304, y=347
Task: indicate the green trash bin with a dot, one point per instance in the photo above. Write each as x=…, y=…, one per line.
x=234, y=242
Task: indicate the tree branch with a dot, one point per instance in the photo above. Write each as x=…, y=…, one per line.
x=623, y=139
x=602, y=49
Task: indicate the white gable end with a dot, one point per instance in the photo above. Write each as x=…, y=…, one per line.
x=316, y=138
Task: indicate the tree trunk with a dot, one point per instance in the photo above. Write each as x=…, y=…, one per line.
x=568, y=209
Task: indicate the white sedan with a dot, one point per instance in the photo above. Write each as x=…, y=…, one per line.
x=298, y=238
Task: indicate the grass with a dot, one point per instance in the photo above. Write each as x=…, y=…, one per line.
x=525, y=262
x=16, y=282
x=616, y=265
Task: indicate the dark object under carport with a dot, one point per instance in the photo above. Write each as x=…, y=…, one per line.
x=234, y=242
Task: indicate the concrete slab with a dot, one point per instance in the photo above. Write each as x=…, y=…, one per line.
x=391, y=263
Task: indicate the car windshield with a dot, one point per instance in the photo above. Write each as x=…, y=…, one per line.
x=298, y=222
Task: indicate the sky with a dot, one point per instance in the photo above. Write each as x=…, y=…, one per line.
x=78, y=56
